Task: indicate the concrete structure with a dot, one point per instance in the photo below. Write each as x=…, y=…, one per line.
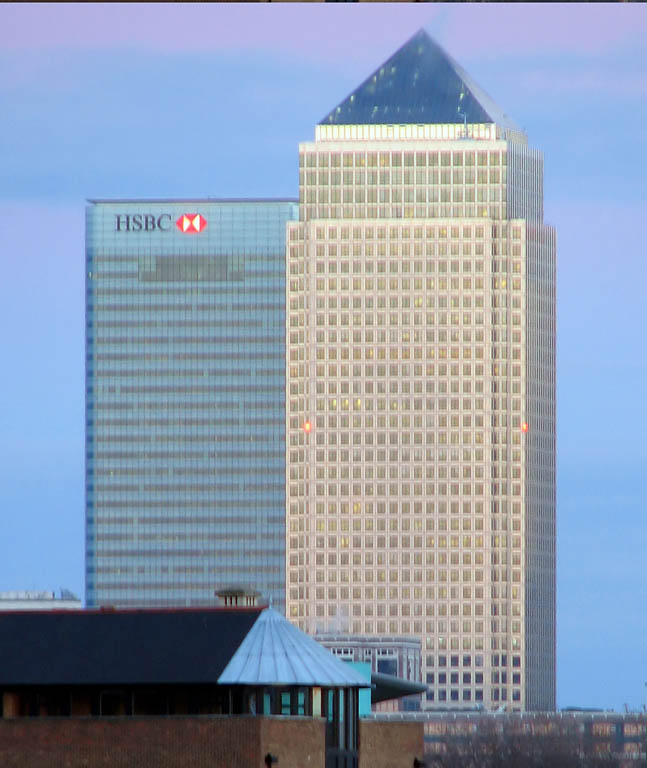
x=31, y=600
x=420, y=370
x=386, y=656
x=185, y=400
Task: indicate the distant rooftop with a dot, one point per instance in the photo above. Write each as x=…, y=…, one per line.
x=37, y=595
x=345, y=637
x=419, y=84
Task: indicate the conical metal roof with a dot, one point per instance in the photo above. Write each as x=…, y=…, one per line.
x=275, y=652
x=419, y=84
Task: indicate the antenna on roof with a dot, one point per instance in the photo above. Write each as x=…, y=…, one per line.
x=462, y=114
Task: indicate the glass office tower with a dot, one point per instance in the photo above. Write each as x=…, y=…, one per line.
x=420, y=368
x=185, y=381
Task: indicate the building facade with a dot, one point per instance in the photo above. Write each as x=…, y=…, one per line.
x=420, y=367
x=185, y=425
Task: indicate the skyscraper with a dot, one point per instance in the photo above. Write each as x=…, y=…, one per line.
x=185, y=382
x=420, y=416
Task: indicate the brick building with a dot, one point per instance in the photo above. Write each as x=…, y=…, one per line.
x=221, y=687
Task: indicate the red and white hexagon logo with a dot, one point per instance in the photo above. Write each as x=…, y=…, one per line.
x=191, y=223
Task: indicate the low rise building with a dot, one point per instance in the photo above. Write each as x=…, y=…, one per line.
x=43, y=600
x=390, y=656
x=231, y=687
x=570, y=737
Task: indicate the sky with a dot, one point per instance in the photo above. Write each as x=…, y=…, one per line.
x=182, y=100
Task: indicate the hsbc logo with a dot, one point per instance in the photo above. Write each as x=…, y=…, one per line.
x=142, y=222
x=188, y=223
x=191, y=223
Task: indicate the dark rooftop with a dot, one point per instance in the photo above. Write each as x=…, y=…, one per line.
x=120, y=647
x=190, y=646
x=419, y=84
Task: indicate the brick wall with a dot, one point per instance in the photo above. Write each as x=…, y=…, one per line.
x=175, y=742
x=298, y=742
x=389, y=744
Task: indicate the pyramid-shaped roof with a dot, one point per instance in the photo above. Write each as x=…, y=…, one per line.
x=419, y=84
x=275, y=652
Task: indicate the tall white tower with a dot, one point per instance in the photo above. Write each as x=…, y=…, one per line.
x=420, y=477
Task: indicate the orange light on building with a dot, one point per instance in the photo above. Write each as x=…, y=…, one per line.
x=524, y=426
x=307, y=427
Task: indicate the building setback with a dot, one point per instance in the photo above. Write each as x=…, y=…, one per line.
x=185, y=429
x=420, y=472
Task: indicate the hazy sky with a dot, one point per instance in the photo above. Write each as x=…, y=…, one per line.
x=180, y=100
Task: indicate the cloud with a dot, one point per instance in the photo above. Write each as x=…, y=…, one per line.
x=328, y=34
x=336, y=35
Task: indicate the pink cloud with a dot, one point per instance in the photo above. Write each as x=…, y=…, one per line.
x=315, y=30
x=329, y=33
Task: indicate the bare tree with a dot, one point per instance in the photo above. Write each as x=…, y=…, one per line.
x=512, y=746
